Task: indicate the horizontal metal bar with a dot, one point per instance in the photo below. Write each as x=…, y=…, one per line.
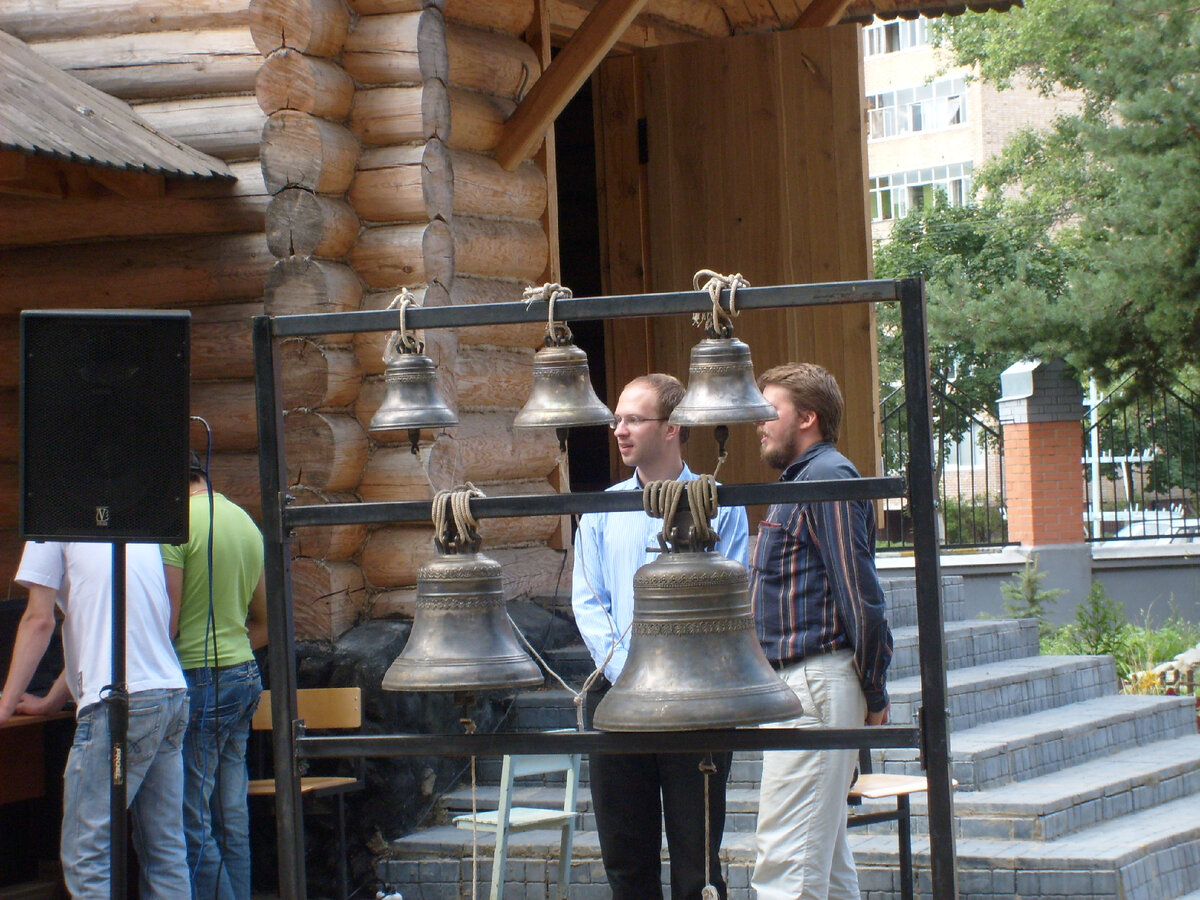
x=518, y=742
x=416, y=317
x=592, y=501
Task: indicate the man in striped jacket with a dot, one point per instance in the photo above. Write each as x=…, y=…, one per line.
x=822, y=623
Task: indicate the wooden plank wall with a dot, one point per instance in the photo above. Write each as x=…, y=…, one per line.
x=756, y=164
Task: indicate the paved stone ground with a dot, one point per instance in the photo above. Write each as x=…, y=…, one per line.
x=1066, y=788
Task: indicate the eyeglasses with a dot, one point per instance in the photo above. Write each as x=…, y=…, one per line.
x=631, y=421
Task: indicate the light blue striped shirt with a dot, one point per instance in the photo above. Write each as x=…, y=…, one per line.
x=609, y=549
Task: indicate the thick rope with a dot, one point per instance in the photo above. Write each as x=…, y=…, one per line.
x=660, y=499
x=718, y=323
x=557, y=333
x=403, y=336
x=709, y=768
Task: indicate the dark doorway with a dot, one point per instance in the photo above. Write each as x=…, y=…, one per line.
x=579, y=248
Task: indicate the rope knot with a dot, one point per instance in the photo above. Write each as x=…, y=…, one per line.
x=718, y=323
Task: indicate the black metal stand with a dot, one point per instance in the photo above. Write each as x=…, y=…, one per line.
x=290, y=745
x=117, y=700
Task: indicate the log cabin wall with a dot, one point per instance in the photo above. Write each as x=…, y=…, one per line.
x=106, y=239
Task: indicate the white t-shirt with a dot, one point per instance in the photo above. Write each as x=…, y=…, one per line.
x=81, y=573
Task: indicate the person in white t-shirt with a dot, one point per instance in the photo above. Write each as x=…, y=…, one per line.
x=77, y=577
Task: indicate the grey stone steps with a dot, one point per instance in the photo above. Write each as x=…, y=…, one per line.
x=1029, y=746
x=1015, y=687
x=901, y=595
x=968, y=643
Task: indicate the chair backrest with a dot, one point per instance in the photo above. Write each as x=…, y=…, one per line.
x=320, y=708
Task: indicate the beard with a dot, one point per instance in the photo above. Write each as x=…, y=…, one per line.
x=780, y=456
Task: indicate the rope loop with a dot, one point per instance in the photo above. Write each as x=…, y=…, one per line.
x=402, y=340
x=557, y=333
x=718, y=323
x=660, y=499
x=456, y=529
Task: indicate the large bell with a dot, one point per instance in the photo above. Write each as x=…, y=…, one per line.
x=410, y=398
x=694, y=658
x=562, y=394
x=461, y=638
x=721, y=388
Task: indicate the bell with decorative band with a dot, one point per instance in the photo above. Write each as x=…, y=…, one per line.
x=562, y=395
x=721, y=388
x=461, y=638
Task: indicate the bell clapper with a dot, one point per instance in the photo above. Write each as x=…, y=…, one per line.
x=414, y=438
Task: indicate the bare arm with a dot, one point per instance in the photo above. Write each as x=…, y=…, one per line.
x=175, y=595
x=256, y=620
x=33, y=637
x=56, y=698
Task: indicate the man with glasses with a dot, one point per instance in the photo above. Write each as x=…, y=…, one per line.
x=633, y=794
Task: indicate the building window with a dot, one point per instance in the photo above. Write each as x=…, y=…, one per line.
x=892, y=37
x=892, y=196
x=927, y=107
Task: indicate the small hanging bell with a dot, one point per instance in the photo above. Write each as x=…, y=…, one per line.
x=461, y=638
x=721, y=388
x=562, y=394
x=410, y=398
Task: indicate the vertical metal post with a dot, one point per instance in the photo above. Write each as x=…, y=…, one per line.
x=289, y=820
x=935, y=713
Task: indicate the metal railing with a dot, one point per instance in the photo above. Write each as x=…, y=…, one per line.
x=969, y=455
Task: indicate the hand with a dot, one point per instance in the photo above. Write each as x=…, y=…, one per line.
x=33, y=705
x=881, y=717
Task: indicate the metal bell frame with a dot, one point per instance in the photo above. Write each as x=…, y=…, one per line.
x=292, y=747
x=410, y=400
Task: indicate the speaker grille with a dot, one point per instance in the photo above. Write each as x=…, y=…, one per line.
x=104, y=425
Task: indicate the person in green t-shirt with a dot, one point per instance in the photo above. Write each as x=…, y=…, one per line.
x=216, y=579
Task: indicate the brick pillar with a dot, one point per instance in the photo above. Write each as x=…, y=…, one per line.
x=1043, y=476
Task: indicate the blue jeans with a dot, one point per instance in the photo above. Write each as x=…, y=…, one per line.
x=215, y=816
x=154, y=789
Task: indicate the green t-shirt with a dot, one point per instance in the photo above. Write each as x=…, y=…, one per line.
x=237, y=564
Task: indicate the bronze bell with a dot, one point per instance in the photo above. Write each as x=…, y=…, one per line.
x=562, y=394
x=461, y=638
x=721, y=388
x=694, y=658
x=410, y=399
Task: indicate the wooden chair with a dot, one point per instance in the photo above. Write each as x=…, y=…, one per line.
x=509, y=819
x=879, y=786
x=321, y=709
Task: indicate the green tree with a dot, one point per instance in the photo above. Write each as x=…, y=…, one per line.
x=1115, y=185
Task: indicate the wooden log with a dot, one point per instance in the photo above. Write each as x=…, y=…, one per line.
x=160, y=65
x=236, y=476
x=535, y=571
x=224, y=127
x=143, y=274
x=392, y=554
x=395, y=474
x=187, y=207
x=325, y=541
x=314, y=27
x=492, y=450
x=324, y=451
x=474, y=289
x=392, y=184
x=509, y=248
x=303, y=286
x=382, y=7
x=511, y=17
x=391, y=256
x=229, y=408
x=397, y=604
x=301, y=223
x=482, y=187
x=477, y=120
x=327, y=598
x=221, y=340
x=491, y=378
x=316, y=376
x=523, y=531
x=299, y=150
x=490, y=61
x=397, y=48
x=397, y=115
x=291, y=80
x=32, y=21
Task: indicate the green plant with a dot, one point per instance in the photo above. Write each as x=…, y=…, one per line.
x=969, y=522
x=1027, y=599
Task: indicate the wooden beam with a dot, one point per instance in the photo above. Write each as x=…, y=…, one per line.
x=563, y=77
x=821, y=13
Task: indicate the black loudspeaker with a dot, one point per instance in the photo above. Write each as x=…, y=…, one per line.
x=104, y=425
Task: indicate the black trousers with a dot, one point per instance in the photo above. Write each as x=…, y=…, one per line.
x=634, y=797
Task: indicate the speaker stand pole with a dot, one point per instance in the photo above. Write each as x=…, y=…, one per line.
x=118, y=728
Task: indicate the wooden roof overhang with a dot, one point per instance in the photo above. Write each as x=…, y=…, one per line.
x=52, y=124
x=593, y=28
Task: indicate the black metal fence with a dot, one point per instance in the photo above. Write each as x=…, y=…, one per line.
x=969, y=455
x=1141, y=465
